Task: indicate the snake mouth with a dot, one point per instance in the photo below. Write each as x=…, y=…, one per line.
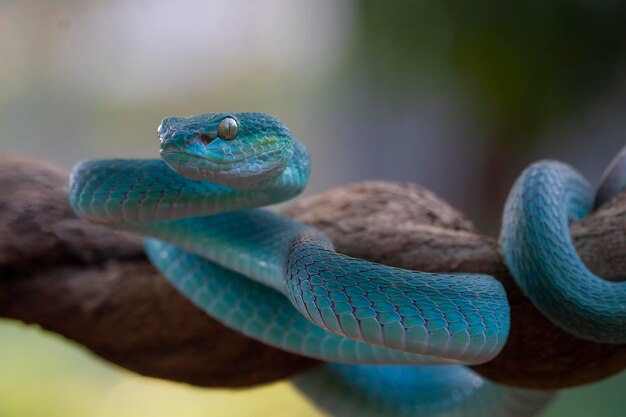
x=205, y=168
x=179, y=154
x=191, y=165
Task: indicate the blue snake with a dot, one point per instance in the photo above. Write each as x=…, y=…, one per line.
x=395, y=341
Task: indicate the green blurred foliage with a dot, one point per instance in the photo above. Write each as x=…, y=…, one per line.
x=524, y=64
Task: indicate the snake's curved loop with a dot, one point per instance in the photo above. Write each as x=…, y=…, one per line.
x=539, y=252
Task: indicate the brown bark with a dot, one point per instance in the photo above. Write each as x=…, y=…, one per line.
x=96, y=287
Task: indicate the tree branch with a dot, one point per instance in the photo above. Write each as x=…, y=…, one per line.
x=95, y=286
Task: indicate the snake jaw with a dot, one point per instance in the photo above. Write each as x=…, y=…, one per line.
x=239, y=174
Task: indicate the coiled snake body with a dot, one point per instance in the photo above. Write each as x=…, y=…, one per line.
x=281, y=282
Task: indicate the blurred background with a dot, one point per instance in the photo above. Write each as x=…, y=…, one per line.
x=456, y=98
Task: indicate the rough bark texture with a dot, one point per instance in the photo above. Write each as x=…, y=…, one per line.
x=95, y=286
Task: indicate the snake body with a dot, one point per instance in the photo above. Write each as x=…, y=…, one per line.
x=281, y=282
x=538, y=250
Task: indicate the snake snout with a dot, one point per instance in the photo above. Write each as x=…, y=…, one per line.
x=169, y=146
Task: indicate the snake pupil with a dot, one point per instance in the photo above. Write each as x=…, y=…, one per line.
x=228, y=129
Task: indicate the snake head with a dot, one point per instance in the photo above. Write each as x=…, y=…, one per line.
x=242, y=150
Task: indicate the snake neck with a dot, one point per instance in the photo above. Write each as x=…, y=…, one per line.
x=292, y=180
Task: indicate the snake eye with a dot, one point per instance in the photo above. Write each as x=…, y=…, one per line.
x=227, y=129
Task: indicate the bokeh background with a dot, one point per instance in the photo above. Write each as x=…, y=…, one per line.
x=455, y=97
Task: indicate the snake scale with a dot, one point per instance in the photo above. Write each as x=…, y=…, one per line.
x=396, y=341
